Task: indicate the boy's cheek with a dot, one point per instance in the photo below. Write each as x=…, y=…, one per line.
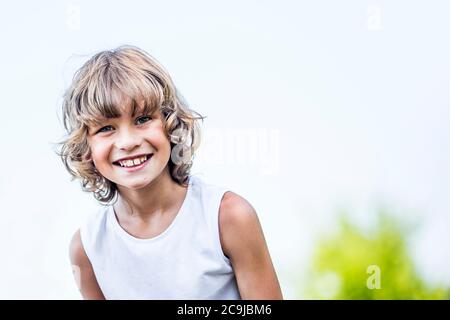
x=99, y=158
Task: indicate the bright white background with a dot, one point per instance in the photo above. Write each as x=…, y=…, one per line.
x=345, y=104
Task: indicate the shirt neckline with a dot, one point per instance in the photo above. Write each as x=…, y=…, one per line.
x=125, y=235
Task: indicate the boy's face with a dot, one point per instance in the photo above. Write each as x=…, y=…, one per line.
x=115, y=139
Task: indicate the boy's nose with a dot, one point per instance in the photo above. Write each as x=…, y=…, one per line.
x=128, y=140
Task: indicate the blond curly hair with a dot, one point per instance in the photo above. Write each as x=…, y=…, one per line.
x=97, y=92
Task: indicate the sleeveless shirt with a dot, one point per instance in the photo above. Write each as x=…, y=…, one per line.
x=185, y=261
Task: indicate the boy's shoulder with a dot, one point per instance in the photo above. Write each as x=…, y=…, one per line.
x=77, y=253
x=233, y=206
x=93, y=224
x=236, y=215
x=95, y=217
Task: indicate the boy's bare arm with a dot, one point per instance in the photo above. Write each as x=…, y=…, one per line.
x=83, y=272
x=243, y=242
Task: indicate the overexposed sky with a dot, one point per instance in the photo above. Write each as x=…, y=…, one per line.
x=310, y=105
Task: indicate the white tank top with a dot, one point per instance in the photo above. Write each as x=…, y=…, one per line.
x=185, y=261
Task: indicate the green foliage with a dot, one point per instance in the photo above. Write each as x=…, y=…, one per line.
x=352, y=264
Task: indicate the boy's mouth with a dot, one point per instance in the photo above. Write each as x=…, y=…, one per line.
x=133, y=162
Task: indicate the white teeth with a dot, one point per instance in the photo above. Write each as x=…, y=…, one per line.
x=133, y=162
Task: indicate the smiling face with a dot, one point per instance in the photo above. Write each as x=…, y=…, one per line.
x=113, y=141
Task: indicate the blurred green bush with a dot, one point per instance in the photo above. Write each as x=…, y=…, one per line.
x=352, y=264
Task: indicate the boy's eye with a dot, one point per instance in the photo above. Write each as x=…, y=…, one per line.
x=139, y=120
x=143, y=119
x=104, y=129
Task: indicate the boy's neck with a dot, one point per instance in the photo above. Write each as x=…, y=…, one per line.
x=161, y=196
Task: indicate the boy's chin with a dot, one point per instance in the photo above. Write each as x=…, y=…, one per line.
x=134, y=185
